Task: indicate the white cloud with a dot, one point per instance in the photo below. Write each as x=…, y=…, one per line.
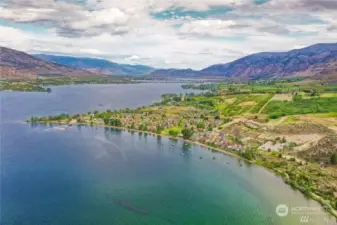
x=126, y=32
x=30, y=14
x=133, y=58
x=112, y=16
x=12, y=37
x=208, y=27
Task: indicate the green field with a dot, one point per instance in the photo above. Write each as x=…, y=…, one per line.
x=277, y=109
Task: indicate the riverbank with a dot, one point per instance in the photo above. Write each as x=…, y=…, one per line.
x=269, y=164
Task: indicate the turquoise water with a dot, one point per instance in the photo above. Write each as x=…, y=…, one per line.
x=89, y=175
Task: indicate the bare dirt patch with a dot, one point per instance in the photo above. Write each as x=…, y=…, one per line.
x=230, y=100
x=283, y=97
x=251, y=103
x=300, y=128
x=322, y=151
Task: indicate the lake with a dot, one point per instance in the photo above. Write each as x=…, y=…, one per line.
x=90, y=175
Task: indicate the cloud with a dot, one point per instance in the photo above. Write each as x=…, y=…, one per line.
x=165, y=33
x=274, y=30
x=208, y=27
x=332, y=28
x=306, y=5
x=133, y=58
x=66, y=18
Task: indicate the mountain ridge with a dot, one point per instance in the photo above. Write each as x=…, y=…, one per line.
x=313, y=61
x=96, y=65
x=18, y=64
x=272, y=64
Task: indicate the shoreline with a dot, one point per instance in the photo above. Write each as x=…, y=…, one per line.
x=154, y=134
x=312, y=196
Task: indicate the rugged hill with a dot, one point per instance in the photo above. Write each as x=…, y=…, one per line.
x=100, y=66
x=265, y=65
x=317, y=60
x=319, y=70
x=17, y=64
x=322, y=151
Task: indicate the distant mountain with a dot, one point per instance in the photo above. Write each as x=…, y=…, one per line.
x=99, y=66
x=272, y=64
x=162, y=73
x=17, y=64
x=316, y=61
x=319, y=59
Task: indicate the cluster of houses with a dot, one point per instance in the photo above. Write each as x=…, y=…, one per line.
x=206, y=129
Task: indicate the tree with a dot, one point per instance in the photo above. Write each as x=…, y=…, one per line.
x=249, y=155
x=106, y=121
x=333, y=158
x=143, y=127
x=159, y=129
x=297, y=97
x=115, y=122
x=173, y=133
x=201, y=125
x=187, y=133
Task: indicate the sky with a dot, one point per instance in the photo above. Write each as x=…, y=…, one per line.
x=166, y=33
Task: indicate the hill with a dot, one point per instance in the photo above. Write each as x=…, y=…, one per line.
x=274, y=64
x=17, y=64
x=99, y=66
x=316, y=61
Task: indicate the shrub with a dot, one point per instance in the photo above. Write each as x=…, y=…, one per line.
x=333, y=159
x=187, y=133
x=173, y=133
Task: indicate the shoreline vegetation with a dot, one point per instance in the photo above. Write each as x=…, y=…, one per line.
x=288, y=127
x=43, y=82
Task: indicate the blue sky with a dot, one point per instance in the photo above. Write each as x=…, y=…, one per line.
x=166, y=33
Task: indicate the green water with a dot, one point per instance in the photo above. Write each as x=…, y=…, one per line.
x=96, y=176
x=88, y=175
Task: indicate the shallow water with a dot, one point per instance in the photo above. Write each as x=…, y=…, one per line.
x=89, y=175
